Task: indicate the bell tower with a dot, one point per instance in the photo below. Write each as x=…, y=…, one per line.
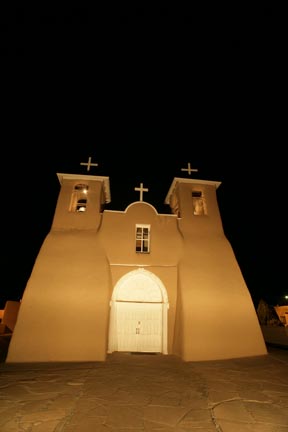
x=81, y=201
x=216, y=314
x=66, y=300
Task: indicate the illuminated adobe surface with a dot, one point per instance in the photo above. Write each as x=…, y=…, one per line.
x=135, y=280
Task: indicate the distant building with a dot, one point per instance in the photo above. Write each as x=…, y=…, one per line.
x=135, y=280
x=8, y=317
x=282, y=312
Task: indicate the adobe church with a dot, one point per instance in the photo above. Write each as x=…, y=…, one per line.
x=135, y=280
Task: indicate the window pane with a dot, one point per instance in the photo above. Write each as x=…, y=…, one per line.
x=138, y=245
x=145, y=246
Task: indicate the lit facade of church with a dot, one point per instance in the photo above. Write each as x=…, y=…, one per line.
x=135, y=280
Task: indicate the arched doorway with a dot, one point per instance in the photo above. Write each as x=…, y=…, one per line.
x=138, y=315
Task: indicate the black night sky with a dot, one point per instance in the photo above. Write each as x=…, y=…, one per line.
x=143, y=94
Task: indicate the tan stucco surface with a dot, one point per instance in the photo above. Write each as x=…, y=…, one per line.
x=66, y=302
x=65, y=309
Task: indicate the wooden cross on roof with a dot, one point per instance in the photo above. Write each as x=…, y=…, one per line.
x=89, y=163
x=141, y=189
x=189, y=169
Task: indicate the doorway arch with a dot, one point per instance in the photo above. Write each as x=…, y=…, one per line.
x=138, y=314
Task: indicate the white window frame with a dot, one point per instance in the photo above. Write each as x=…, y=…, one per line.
x=142, y=238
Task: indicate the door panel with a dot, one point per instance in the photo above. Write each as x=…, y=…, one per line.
x=126, y=327
x=139, y=327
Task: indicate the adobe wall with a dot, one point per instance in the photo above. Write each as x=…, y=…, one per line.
x=64, y=310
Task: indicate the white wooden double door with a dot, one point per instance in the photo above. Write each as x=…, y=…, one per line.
x=139, y=326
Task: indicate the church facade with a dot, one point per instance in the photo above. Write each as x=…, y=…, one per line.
x=135, y=280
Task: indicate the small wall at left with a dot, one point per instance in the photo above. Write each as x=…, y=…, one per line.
x=9, y=315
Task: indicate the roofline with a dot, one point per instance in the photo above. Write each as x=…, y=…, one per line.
x=177, y=180
x=103, y=179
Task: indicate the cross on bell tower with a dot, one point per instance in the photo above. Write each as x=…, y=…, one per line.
x=189, y=169
x=88, y=164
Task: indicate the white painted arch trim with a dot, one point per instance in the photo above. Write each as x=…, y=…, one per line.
x=139, y=279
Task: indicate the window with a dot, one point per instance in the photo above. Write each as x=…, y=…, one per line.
x=142, y=238
x=79, y=198
x=199, y=205
x=81, y=205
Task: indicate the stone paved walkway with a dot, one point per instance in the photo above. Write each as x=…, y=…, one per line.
x=143, y=393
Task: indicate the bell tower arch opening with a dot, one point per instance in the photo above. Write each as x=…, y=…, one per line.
x=138, y=314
